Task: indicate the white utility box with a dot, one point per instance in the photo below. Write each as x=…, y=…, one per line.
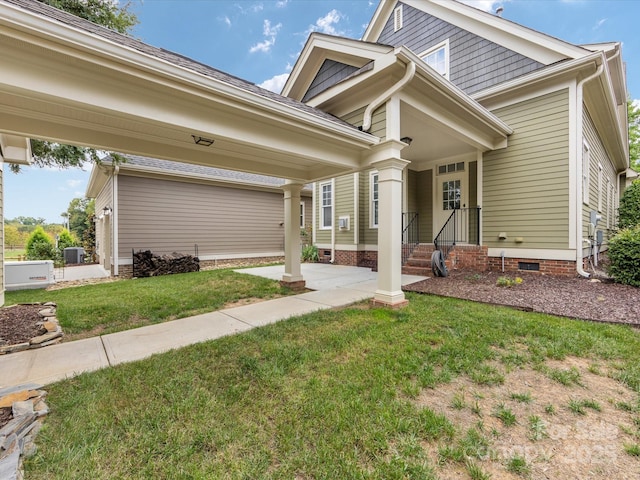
x=31, y=274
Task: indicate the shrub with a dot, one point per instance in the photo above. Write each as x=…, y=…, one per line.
x=624, y=256
x=65, y=240
x=40, y=246
x=310, y=253
x=629, y=210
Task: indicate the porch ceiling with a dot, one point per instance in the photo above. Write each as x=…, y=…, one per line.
x=66, y=84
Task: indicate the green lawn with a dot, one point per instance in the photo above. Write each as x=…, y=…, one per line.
x=13, y=255
x=111, y=307
x=325, y=396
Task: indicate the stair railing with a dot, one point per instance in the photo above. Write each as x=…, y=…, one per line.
x=461, y=221
x=410, y=234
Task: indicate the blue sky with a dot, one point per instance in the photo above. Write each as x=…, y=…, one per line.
x=260, y=41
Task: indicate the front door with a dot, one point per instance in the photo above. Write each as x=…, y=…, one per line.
x=451, y=194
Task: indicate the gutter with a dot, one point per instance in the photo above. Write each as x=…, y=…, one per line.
x=376, y=103
x=579, y=137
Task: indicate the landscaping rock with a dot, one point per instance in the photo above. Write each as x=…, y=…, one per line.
x=50, y=326
x=46, y=337
x=47, y=312
x=18, y=347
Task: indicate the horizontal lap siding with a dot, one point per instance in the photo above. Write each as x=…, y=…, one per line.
x=167, y=216
x=330, y=73
x=104, y=199
x=598, y=154
x=344, y=207
x=525, y=186
x=369, y=234
x=474, y=62
x=425, y=205
x=378, y=120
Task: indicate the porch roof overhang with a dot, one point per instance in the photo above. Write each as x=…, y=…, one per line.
x=15, y=149
x=88, y=86
x=442, y=120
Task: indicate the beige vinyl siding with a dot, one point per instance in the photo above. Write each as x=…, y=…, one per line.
x=378, y=120
x=104, y=234
x=526, y=185
x=2, y=233
x=166, y=216
x=344, y=207
x=598, y=156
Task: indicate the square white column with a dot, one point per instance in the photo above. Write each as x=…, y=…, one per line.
x=292, y=275
x=390, y=176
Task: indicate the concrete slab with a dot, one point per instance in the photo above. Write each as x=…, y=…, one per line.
x=143, y=342
x=271, y=311
x=80, y=272
x=336, y=297
x=53, y=363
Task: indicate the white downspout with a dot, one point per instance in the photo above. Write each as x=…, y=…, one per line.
x=375, y=104
x=333, y=221
x=579, y=137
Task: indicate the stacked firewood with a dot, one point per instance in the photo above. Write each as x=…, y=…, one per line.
x=148, y=264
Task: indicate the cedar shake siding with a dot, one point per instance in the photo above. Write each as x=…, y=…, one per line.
x=166, y=216
x=330, y=73
x=474, y=63
x=526, y=186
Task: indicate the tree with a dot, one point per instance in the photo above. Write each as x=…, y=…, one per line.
x=109, y=14
x=633, y=112
x=629, y=209
x=80, y=211
x=65, y=240
x=40, y=246
x=13, y=237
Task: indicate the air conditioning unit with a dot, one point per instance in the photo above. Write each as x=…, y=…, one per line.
x=73, y=255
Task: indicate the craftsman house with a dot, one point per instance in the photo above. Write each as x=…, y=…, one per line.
x=221, y=216
x=516, y=142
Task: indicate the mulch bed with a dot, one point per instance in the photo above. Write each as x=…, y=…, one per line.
x=18, y=324
x=598, y=300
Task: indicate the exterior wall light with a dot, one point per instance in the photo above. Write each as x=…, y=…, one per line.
x=406, y=140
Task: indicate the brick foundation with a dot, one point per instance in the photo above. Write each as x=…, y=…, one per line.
x=468, y=257
x=559, y=268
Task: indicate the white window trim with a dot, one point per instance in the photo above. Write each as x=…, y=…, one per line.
x=398, y=19
x=323, y=206
x=302, y=218
x=372, y=223
x=586, y=171
x=435, y=48
x=599, y=187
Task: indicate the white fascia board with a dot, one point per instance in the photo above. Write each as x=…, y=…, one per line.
x=471, y=106
x=92, y=48
x=15, y=149
x=320, y=47
x=97, y=180
x=528, y=42
x=379, y=19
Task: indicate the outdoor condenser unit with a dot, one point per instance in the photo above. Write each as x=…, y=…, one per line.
x=73, y=255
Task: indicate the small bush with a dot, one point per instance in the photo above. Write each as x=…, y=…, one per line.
x=629, y=210
x=624, y=256
x=65, y=240
x=508, y=282
x=40, y=246
x=310, y=253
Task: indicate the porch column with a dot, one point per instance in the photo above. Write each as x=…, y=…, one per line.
x=292, y=276
x=390, y=174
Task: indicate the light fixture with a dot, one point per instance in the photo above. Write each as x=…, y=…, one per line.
x=406, y=140
x=205, y=142
x=106, y=211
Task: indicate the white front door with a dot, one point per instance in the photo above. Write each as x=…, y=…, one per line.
x=451, y=194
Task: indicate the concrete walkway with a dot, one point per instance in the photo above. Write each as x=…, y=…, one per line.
x=334, y=286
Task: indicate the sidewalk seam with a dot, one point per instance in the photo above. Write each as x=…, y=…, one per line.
x=104, y=349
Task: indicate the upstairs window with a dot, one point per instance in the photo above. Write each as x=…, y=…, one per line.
x=438, y=58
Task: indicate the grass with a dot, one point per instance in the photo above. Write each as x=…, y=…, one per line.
x=318, y=396
x=521, y=397
x=518, y=465
x=505, y=415
x=578, y=406
x=116, y=306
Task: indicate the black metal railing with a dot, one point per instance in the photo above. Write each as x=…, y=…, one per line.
x=462, y=226
x=410, y=234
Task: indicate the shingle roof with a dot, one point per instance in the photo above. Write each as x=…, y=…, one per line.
x=212, y=173
x=168, y=56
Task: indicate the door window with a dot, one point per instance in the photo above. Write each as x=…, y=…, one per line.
x=451, y=195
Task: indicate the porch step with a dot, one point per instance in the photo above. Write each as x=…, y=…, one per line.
x=419, y=263
x=422, y=271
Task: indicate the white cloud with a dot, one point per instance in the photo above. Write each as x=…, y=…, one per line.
x=74, y=183
x=276, y=83
x=270, y=32
x=281, y=3
x=486, y=5
x=226, y=20
x=599, y=23
x=327, y=23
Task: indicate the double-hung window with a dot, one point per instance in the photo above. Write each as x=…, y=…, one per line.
x=374, y=195
x=438, y=58
x=326, y=206
x=586, y=173
x=302, y=225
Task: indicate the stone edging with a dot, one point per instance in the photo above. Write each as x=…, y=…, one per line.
x=49, y=323
x=17, y=437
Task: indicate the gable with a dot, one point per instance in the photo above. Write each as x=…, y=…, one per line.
x=475, y=63
x=330, y=73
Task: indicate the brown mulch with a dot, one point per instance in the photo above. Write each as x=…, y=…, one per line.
x=19, y=323
x=598, y=300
